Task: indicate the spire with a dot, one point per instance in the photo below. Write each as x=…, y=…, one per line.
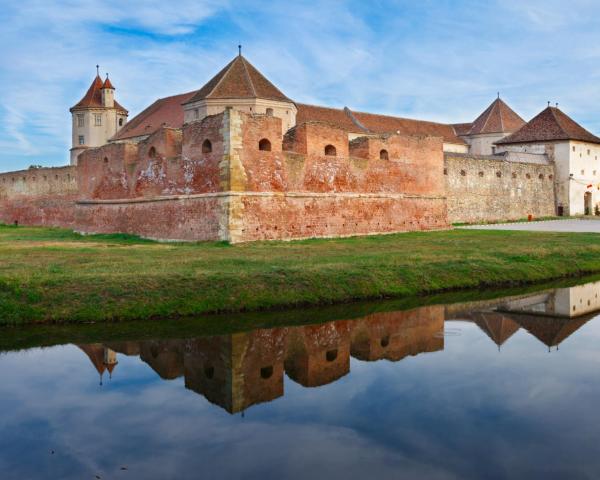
x=107, y=83
x=97, y=70
x=240, y=50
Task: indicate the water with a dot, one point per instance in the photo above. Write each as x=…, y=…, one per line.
x=505, y=388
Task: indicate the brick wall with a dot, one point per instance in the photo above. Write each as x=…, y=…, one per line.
x=483, y=189
x=39, y=196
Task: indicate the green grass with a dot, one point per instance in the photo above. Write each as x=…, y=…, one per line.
x=54, y=275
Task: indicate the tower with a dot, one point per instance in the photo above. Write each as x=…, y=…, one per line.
x=96, y=117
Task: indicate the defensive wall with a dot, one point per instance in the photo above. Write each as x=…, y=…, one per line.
x=39, y=196
x=487, y=189
x=232, y=176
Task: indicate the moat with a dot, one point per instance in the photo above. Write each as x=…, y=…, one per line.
x=494, y=388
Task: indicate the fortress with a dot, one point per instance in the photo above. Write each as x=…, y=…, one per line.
x=237, y=160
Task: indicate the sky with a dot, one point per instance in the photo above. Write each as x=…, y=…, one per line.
x=437, y=60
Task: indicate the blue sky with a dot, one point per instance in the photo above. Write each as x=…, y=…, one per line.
x=433, y=59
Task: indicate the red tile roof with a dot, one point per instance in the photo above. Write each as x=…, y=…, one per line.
x=107, y=83
x=550, y=125
x=406, y=126
x=497, y=118
x=462, y=128
x=93, y=97
x=166, y=111
x=359, y=122
x=239, y=79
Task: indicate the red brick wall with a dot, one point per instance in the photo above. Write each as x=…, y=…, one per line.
x=39, y=196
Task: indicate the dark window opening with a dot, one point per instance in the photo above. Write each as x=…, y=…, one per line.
x=385, y=341
x=330, y=151
x=209, y=372
x=269, y=112
x=105, y=159
x=120, y=122
x=152, y=152
x=331, y=355
x=206, y=146
x=264, y=145
x=383, y=155
x=266, y=372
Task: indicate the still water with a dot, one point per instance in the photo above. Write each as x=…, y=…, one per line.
x=494, y=389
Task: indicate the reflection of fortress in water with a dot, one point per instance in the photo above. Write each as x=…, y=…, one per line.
x=243, y=369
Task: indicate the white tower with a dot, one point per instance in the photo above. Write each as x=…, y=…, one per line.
x=96, y=117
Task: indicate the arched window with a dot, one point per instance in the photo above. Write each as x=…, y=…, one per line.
x=264, y=145
x=152, y=152
x=385, y=341
x=120, y=122
x=206, y=146
x=330, y=150
x=383, y=155
x=105, y=159
x=269, y=112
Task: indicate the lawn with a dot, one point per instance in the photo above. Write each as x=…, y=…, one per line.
x=51, y=275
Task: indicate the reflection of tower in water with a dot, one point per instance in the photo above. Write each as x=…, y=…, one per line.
x=103, y=359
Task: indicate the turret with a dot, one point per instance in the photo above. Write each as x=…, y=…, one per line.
x=96, y=118
x=108, y=93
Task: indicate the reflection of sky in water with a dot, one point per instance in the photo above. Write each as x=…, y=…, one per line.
x=468, y=411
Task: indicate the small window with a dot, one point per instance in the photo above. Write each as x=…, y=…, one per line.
x=463, y=173
x=550, y=177
x=383, y=155
x=152, y=152
x=541, y=176
x=206, y=146
x=499, y=174
x=445, y=171
x=385, y=341
x=583, y=172
x=589, y=152
x=209, y=372
x=97, y=120
x=121, y=122
x=81, y=140
x=573, y=148
x=196, y=114
x=481, y=174
x=105, y=159
x=528, y=176
x=514, y=174
x=80, y=120
x=266, y=372
x=330, y=151
x=331, y=355
x=269, y=112
x=264, y=145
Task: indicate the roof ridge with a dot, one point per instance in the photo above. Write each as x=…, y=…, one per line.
x=500, y=102
x=355, y=120
x=248, y=76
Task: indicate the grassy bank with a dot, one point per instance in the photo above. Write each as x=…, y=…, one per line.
x=55, y=275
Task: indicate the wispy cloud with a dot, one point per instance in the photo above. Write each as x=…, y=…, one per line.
x=434, y=59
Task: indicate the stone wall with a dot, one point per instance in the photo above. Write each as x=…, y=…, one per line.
x=484, y=189
x=39, y=196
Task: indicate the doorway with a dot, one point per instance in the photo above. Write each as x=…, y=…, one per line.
x=587, y=202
